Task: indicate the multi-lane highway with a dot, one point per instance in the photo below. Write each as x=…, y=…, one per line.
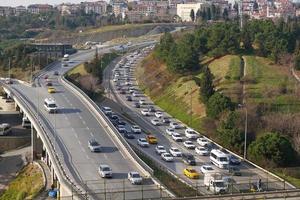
x=117, y=88
x=73, y=126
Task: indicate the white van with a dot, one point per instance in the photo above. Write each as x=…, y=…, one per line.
x=50, y=105
x=219, y=158
x=5, y=129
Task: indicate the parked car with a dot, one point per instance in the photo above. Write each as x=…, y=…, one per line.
x=188, y=159
x=142, y=142
x=191, y=173
x=136, y=129
x=203, y=151
x=175, y=152
x=94, y=146
x=105, y=171
x=135, y=178
x=167, y=157
x=151, y=139
x=177, y=137
x=159, y=149
x=189, y=144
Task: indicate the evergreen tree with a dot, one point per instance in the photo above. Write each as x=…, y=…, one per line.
x=192, y=15
x=206, y=85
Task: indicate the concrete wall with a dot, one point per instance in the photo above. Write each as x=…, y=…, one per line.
x=12, y=142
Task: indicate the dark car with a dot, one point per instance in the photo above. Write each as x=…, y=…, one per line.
x=114, y=117
x=56, y=73
x=49, y=84
x=234, y=160
x=121, y=122
x=188, y=159
x=123, y=91
x=234, y=171
x=121, y=128
x=128, y=135
x=137, y=105
x=166, y=120
x=128, y=98
x=151, y=109
x=118, y=88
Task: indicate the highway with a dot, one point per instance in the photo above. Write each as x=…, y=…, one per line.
x=73, y=126
x=119, y=104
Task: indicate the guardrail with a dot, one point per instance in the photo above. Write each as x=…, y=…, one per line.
x=45, y=137
x=100, y=115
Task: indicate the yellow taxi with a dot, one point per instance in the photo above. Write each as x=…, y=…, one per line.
x=191, y=173
x=151, y=139
x=51, y=90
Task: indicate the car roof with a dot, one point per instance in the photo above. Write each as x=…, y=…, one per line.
x=104, y=165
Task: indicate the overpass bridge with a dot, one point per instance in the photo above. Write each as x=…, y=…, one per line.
x=61, y=140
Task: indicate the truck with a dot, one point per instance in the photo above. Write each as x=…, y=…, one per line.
x=215, y=183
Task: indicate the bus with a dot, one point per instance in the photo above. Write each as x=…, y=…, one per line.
x=219, y=158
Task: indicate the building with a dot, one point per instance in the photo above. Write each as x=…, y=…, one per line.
x=68, y=9
x=20, y=10
x=119, y=8
x=7, y=11
x=184, y=10
x=39, y=8
x=53, y=50
x=98, y=7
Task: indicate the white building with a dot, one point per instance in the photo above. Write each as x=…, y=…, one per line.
x=184, y=10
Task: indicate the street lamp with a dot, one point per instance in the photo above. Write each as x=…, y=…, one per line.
x=246, y=129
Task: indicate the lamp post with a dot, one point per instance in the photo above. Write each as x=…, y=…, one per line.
x=246, y=127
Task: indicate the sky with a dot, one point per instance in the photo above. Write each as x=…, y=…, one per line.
x=28, y=2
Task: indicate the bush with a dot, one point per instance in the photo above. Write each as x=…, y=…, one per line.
x=217, y=104
x=272, y=149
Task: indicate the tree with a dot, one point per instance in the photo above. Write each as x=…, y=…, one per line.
x=206, y=85
x=272, y=149
x=297, y=62
x=217, y=104
x=225, y=14
x=192, y=15
x=166, y=42
x=198, y=14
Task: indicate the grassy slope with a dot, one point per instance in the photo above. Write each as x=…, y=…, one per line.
x=79, y=69
x=27, y=185
x=267, y=82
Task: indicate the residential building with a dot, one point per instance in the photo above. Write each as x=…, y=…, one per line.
x=7, y=11
x=39, y=8
x=98, y=7
x=20, y=10
x=119, y=8
x=184, y=10
x=68, y=9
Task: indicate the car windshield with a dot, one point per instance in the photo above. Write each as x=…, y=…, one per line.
x=176, y=150
x=94, y=143
x=105, y=169
x=143, y=140
x=51, y=105
x=136, y=175
x=193, y=171
x=219, y=184
x=209, y=168
x=161, y=148
x=223, y=159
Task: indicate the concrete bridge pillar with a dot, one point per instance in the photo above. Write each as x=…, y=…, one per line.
x=37, y=145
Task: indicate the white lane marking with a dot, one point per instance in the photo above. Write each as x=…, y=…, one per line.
x=80, y=117
x=79, y=142
x=105, y=156
x=92, y=134
x=88, y=157
x=87, y=128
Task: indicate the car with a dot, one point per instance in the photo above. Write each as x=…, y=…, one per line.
x=189, y=144
x=8, y=81
x=128, y=98
x=167, y=157
x=46, y=77
x=56, y=73
x=94, y=146
x=105, y=171
x=191, y=173
x=158, y=114
x=135, y=178
x=175, y=125
x=234, y=171
x=128, y=135
x=136, y=129
x=121, y=122
x=177, y=137
x=155, y=122
x=121, y=128
x=206, y=169
x=142, y=142
x=191, y=134
x=203, y=142
x=115, y=79
x=134, y=93
x=170, y=131
x=203, y=151
x=166, y=120
x=151, y=139
x=142, y=102
x=145, y=112
x=151, y=109
x=122, y=91
x=175, y=152
x=51, y=90
x=118, y=88
x=136, y=105
x=114, y=117
x=159, y=149
x=106, y=110
x=188, y=159
x=49, y=83
x=233, y=160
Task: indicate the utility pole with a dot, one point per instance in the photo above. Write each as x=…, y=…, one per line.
x=9, y=67
x=241, y=13
x=246, y=127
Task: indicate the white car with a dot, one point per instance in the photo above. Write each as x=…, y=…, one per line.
x=202, y=151
x=170, y=131
x=175, y=152
x=105, y=171
x=136, y=129
x=206, y=169
x=191, y=134
x=203, y=142
x=167, y=157
x=106, y=110
x=189, y=144
x=155, y=122
x=160, y=149
x=177, y=137
x=158, y=114
x=94, y=146
x=145, y=112
x=135, y=94
x=142, y=101
x=135, y=178
x=176, y=125
x=142, y=142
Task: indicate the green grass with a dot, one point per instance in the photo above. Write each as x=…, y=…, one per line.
x=292, y=175
x=27, y=184
x=78, y=69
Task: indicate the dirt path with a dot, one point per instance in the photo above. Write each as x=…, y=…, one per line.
x=244, y=70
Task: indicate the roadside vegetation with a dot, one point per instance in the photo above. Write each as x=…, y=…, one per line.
x=271, y=93
x=27, y=185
